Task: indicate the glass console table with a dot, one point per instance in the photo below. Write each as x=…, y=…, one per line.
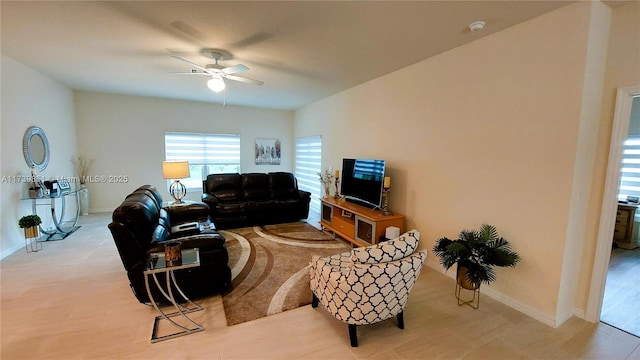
x=63, y=228
x=157, y=265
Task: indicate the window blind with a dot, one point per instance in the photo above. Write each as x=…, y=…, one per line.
x=308, y=165
x=630, y=173
x=202, y=149
x=206, y=153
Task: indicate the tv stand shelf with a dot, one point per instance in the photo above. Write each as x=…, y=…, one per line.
x=357, y=224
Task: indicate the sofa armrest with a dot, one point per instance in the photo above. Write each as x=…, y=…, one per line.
x=210, y=200
x=190, y=211
x=304, y=194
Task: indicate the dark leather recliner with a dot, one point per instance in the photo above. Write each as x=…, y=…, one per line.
x=140, y=226
x=238, y=200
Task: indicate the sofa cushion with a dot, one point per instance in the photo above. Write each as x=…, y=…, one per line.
x=225, y=187
x=255, y=186
x=226, y=208
x=386, y=251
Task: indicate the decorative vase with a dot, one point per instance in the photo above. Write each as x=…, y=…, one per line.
x=31, y=232
x=84, y=200
x=327, y=189
x=35, y=193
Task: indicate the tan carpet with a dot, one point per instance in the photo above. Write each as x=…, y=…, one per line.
x=270, y=268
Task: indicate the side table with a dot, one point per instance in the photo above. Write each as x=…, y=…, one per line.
x=157, y=265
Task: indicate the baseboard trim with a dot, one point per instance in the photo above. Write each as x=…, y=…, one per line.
x=486, y=290
x=11, y=250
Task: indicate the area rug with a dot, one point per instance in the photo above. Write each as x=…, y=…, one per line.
x=270, y=268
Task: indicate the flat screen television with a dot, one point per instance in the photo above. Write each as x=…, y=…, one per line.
x=362, y=181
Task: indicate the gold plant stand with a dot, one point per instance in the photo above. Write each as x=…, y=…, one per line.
x=463, y=283
x=31, y=236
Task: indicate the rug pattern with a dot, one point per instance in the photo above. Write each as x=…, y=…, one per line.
x=270, y=268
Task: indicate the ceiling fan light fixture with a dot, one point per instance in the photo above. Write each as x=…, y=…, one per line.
x=216, y=84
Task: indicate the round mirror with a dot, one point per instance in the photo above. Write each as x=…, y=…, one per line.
x=35, y=147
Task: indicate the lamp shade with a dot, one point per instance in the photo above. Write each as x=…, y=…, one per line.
x=175, y=169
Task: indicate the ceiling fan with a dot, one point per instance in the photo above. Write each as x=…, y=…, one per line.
x=216, y=71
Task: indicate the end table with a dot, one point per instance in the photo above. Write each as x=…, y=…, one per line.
x=157, y=265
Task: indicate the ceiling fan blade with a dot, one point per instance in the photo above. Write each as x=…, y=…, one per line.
x=189, y=62
x=235, y=69
x=243, y=79
x=189, y=73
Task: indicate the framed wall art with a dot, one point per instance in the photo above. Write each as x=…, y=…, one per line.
x=268, y=152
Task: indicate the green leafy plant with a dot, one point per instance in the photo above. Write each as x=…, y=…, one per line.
x=29, y=221
x=478, y=251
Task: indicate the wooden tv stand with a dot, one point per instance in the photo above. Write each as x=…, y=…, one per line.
x=358, y=224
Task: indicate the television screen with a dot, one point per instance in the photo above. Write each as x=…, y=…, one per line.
x=362, y=181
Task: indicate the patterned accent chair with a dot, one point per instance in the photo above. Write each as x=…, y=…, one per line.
x=368, y=284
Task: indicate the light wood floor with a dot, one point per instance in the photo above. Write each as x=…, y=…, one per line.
x=72, y=301
x=621, y=303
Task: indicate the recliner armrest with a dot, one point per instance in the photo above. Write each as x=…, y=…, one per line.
x=210, y=199
x=304, y=194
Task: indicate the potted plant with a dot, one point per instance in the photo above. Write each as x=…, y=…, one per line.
x=476, y=253
x=30, y=225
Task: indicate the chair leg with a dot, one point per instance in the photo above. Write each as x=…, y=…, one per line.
x=400, y=318
x=314, y=301
x=353, y=335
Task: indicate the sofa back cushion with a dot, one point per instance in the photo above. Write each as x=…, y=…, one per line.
x=225, y=187
x=139, y=212
x=386, y=251
x=255, y=186
x=282, y=185
x=151, y=191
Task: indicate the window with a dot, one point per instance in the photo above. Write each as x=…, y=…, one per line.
x=308, y=165
x=630, y=174
x=206, y=153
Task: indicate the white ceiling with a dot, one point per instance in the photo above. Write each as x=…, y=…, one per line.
x=303, y=50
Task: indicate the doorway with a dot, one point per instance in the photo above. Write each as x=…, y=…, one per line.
x=603, y=257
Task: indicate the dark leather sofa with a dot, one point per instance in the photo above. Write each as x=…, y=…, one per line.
x=239, y=200
x=140, y=226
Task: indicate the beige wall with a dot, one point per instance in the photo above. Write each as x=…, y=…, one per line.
x=30, y=99
x=125, y=136
x=486, y=133
x=622, y=70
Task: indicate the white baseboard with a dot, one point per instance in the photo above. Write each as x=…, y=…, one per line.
x=11, y=250
x=486, y=290
x=101, y=210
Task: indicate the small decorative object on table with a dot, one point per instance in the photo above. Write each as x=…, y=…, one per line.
x=173, y=253
x=337, y=183
x=30, y=224
x=326, y=178
x=386, y=188
x=476, y=253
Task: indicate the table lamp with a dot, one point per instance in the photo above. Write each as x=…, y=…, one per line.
x=176, y=170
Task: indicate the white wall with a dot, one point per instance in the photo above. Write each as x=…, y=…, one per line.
x=30, y=98
x=485, y=133
x=125, y=136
